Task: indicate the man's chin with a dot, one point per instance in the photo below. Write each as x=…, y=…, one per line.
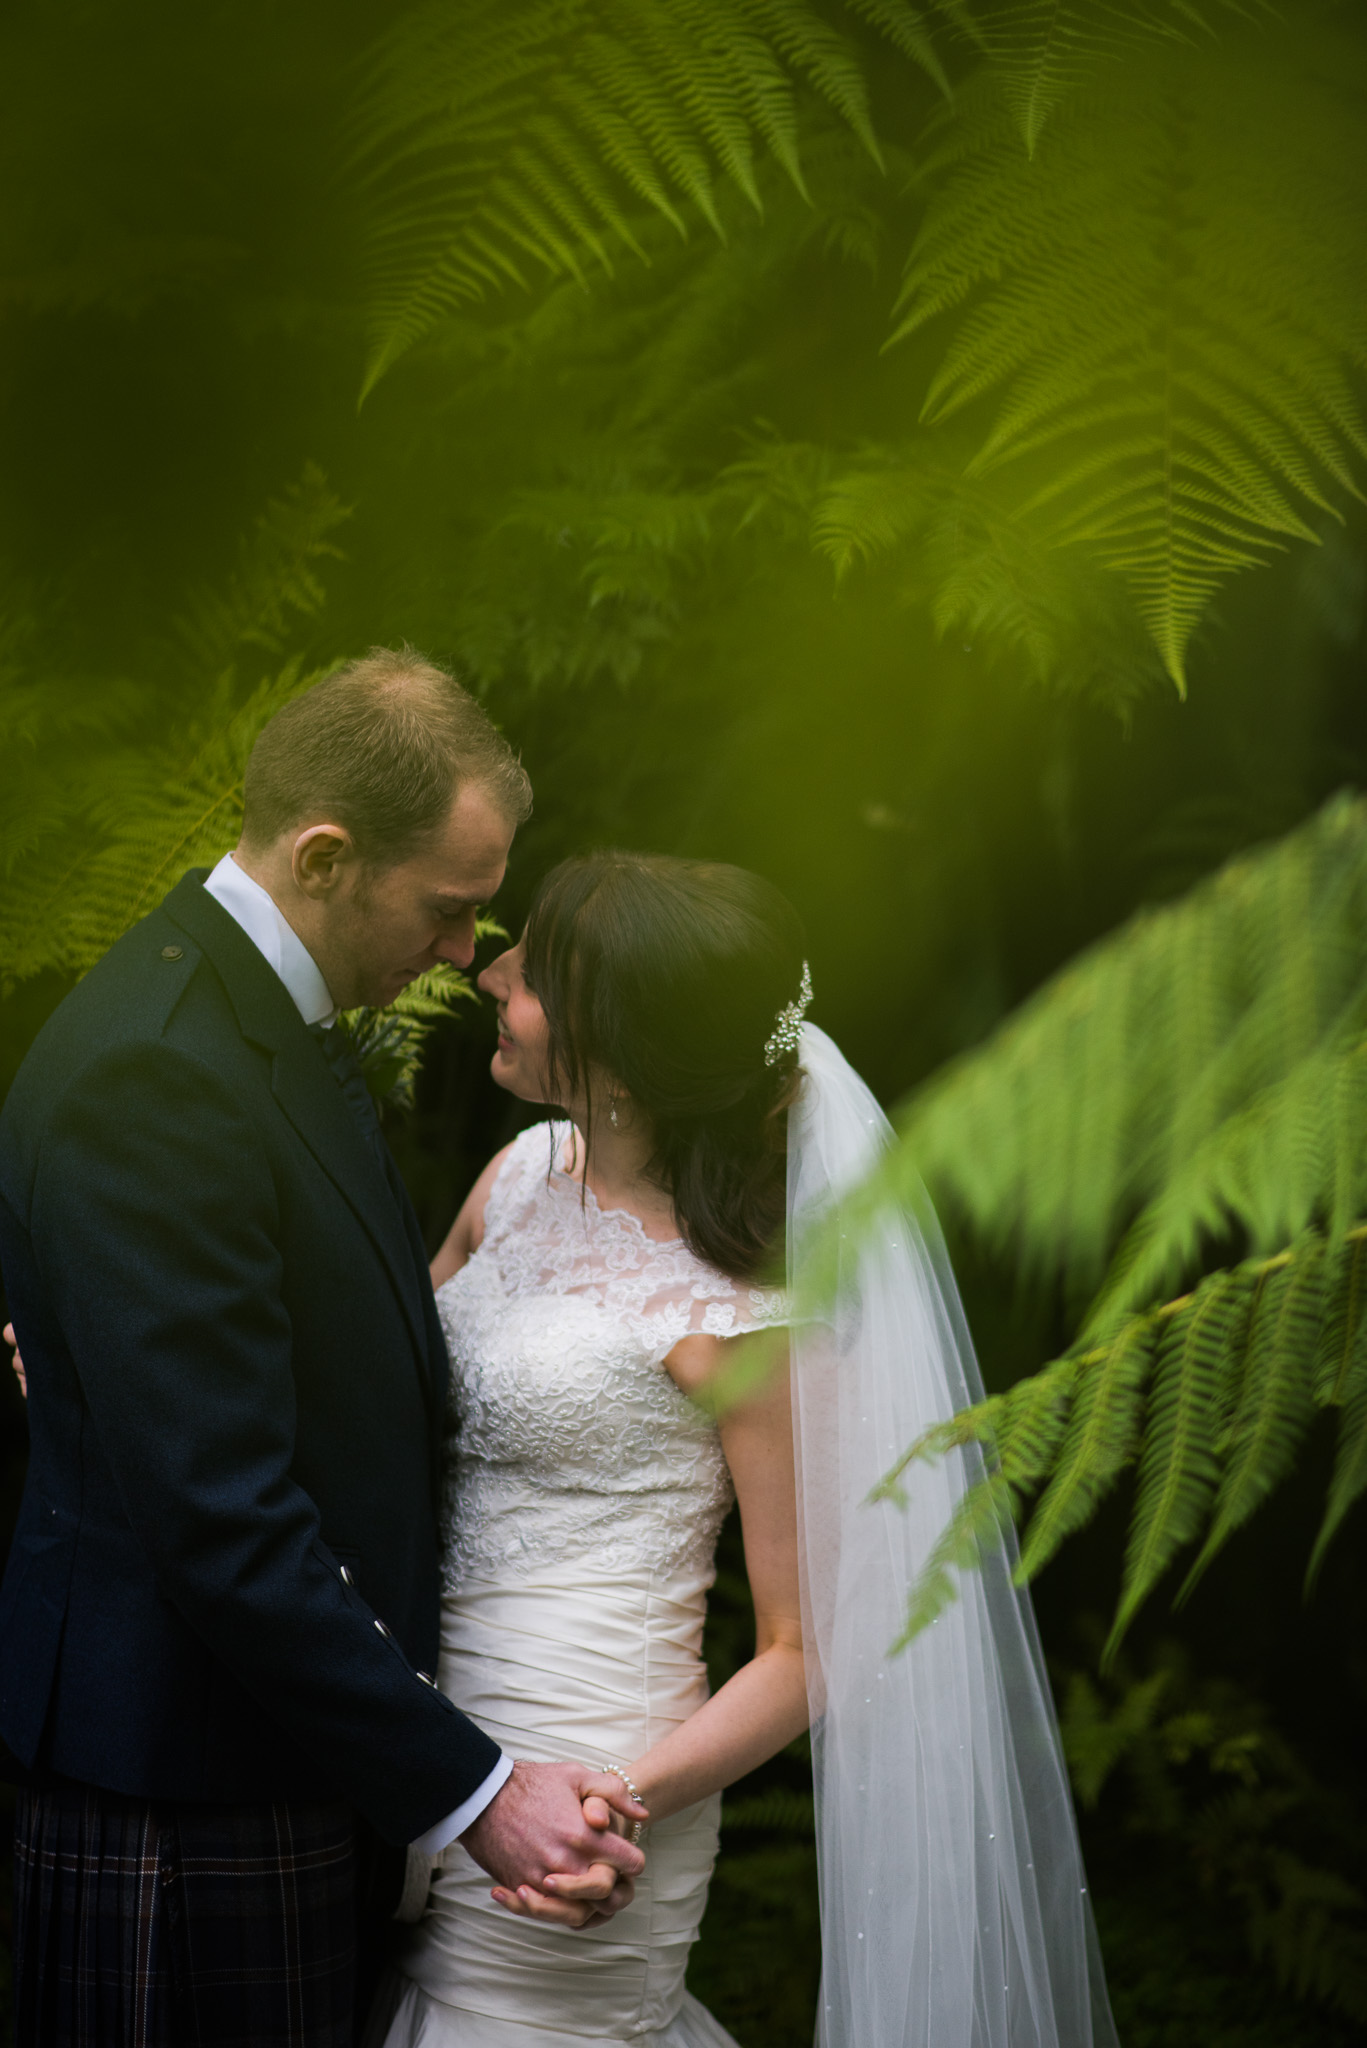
x=390, y=989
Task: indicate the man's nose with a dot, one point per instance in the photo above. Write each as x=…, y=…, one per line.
x=459, y=952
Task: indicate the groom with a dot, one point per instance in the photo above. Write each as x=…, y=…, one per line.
x=219, y=1623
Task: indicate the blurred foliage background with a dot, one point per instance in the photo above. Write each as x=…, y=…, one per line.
x=916, y=453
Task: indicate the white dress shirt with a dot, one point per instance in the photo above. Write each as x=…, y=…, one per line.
x=251, y=907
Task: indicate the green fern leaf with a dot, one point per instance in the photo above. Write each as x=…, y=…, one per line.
x=986, y=572
x=275, y=585
x=1178, y=1468
x=1345, y=1305
x=1199, y=1071
x=1101, y=1439
x=1162, y=312
x=1275, y=1404
x=497, y=132
x=1349, y=1482
x=1020, y=1432
x=389, y=1043
x=1046, y=49
x=1313, y=1931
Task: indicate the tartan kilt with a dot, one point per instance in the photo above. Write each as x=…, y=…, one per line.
x=157, y=1924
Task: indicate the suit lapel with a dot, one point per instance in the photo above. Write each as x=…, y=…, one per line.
x=307, y=1091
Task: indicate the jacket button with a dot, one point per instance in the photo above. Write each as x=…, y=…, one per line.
x=428, y=1679
x=347, y=1579
x=173, y=952
x=384, y=1631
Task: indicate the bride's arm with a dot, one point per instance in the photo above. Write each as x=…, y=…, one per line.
x=467, y=1232
x=765, y=1705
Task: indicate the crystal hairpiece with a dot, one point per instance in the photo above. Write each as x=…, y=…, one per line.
x=787, y=1032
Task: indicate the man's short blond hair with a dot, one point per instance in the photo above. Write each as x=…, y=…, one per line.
x=381, y=746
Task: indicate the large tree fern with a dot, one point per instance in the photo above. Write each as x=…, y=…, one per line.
x=1194, y=1085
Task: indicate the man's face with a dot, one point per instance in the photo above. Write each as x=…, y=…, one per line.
x=376, y=929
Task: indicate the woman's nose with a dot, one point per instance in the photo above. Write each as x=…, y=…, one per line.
x=494, y=980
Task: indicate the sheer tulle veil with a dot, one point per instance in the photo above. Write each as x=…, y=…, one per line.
x=953, y=1897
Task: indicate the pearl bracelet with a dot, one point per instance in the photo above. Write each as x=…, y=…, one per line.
x=613, y=1771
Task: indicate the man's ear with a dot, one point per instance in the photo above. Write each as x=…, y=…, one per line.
x=317, y=859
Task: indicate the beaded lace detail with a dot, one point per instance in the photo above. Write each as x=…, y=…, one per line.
x=569, y=1438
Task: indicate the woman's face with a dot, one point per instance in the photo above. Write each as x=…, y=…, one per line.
x=521, y=1061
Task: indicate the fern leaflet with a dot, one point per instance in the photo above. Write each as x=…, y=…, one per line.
x=1162, y=311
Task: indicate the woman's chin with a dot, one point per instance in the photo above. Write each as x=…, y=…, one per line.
x=502, y=1071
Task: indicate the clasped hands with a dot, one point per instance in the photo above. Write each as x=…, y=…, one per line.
x=554, y=1839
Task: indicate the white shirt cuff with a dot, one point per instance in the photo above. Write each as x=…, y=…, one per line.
x=466, y=1814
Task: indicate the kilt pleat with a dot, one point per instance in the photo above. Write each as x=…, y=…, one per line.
x=145, y=1924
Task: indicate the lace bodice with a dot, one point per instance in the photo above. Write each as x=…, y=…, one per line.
x=569, y=1438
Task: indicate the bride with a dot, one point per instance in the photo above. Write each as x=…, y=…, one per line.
x=603, y=1272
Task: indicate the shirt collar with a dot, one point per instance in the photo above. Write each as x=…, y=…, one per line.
x=265, y=924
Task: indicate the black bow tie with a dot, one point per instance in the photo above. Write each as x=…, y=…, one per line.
x=345, y=1066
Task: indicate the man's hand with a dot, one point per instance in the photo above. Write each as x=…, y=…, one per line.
x=551, y=1860
x=17, y=1362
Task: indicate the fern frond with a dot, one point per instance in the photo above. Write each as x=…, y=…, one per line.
x=1274, y=1405
x=1161, y=312
x=985, y=572
x=1046, y=49
x=275, y=583
x=112, y=820
x=1349, y=1482
x=1178, y=1468
x=148, y=816
x=1020, y=1432
x=389, y=1043
x=1229, y=1370
x=1101, y=1439
x=1313, y=1930
x=492, y=133
x=1199, y=1071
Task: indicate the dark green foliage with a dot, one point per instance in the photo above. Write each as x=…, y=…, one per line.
x=1196, y=1073
x=1211, y=1396
x=507, y=145
x=1202, y=1067
x=1045, y=49
x=1100, y=1439
x=1161, y=314
x=1136, y=323
x=390, y=1044
x=742, y=580
x=1197, y=1764
x=1178, y=1463
x=125, y=789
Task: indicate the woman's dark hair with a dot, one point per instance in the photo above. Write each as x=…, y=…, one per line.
x=669, y=975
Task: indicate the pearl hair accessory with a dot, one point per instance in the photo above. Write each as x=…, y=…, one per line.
x=787, y=1032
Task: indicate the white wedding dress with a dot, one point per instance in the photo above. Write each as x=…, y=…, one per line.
x=584, y=1497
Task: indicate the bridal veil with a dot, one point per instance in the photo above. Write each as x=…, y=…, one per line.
x=953, y=1896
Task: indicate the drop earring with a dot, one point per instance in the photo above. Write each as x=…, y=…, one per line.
x=612, y=1112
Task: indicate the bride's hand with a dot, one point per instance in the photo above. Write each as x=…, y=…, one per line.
x=17, y=1362
x=551, y=1863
